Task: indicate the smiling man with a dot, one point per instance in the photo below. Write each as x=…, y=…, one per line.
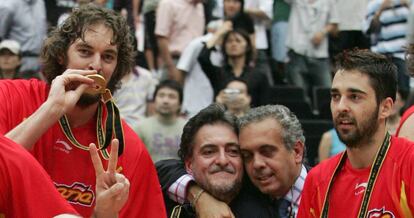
x=374, y=176
x=210, y=152
x=57, y=120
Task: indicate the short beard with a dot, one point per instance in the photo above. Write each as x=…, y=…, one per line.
x=366, y=131
x=87, y=100
x=220, y=192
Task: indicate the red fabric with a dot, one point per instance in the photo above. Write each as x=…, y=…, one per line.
x=25, y=188
x=404, y=117
x=71, y=167
x=347, y=193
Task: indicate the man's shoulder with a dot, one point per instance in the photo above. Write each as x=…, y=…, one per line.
x=32, y=88
x=402, y=150
x=323, y=171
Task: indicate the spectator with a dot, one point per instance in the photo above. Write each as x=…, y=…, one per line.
x=350, y=35
x=281, y=11
x=330, y=145
x=161, y=132
x=55, y=119
x=309, y=24
x=10, y=59
x=198, y=92
x=25, y=22
x=261, y=12
x=235, y=97
x=386, y=23
x=178, y=22
x=151, y=47
x=136, y=92
x=237, y=52
x=405, y=129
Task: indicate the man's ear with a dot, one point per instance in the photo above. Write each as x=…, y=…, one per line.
x=298, y=150
x=60, y=60
x=189, y=165
x=385, y=109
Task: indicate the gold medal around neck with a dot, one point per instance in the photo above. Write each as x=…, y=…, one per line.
x=99, y=85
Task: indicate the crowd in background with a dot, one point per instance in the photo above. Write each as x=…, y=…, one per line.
x=191, y=53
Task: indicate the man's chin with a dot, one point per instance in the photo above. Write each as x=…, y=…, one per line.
x=87, y=100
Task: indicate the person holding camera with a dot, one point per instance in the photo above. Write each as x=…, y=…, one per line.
x=237, y=52
x=235, y=97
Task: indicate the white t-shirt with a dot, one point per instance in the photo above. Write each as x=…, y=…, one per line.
x=197, y=89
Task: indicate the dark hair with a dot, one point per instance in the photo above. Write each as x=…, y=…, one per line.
x=241, y=8
x=55, y=48
x=172, y=84
x=381, y=71
x=212, y=114
x=249, y=46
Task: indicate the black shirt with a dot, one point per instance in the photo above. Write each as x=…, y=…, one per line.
x=257, y=83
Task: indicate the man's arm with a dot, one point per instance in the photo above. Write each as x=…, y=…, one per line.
x=176, y=185
x=320, y=35
x=135, y=11
x=173, y=73
x=62, y=98
x=263, y=12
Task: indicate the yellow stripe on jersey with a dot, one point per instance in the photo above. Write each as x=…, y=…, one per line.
x=403, y=202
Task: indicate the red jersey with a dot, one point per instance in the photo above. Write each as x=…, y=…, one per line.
x=70, y=167
x=404, y=117
x=392, y=194
x=25, y=188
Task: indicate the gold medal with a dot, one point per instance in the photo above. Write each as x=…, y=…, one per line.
x=99, y=85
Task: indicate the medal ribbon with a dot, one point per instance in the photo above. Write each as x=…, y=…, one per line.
x=113, y=127
x=376, y=167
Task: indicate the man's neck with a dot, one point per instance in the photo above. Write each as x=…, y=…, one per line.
x=8, y=74
x=364, y=154
x=167, y=119
x=294, y=176
x=81, y=115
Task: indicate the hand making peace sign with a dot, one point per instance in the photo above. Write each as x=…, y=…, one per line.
x=112, y=188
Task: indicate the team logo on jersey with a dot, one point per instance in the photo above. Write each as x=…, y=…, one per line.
x=360, y=187
x=77, y=193
x=380, y=213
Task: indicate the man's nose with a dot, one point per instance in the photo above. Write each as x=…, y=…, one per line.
x=222, y=159
x=96, y=63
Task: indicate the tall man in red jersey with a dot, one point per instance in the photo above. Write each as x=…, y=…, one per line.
x=56, y=120
x=374, y=177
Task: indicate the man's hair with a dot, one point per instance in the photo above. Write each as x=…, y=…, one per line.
x=381, y=71
x=292, y=131
x=249, y=46
x=172, y=84
x=213, y=114
x=55, y=48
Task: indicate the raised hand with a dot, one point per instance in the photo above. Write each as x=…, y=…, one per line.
x=112, y=188
x=67, y=88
